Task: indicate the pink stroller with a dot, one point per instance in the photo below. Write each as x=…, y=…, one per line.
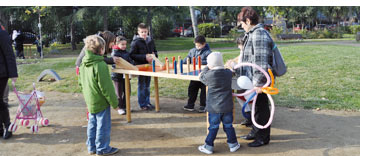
x=29, y=109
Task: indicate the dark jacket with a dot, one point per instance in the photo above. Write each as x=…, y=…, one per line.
x=19, y=42
x=8, y=68
x=116, y=52
x=141, y=47
x=204, y=52
x=219, y=96
x=108, y=60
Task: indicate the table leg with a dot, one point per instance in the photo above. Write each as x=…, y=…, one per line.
x=233, y=106
x=207, y=122
x=156, y=85
x=128, y=94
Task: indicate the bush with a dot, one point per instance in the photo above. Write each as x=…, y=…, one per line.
x=209, y=30
x=275, y=31
x=354, y=29
x=233, y=34
x=304, y=33
x=161, y=27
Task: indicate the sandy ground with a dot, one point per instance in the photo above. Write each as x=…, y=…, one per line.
x=173, y=131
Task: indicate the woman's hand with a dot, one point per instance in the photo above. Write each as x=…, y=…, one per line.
x=258, y=90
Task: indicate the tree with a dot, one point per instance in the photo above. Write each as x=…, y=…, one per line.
x=194, y=21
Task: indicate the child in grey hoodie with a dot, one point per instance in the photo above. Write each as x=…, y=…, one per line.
x=219, y=104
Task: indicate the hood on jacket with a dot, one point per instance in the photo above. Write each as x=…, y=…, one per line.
x=206, y=47
x=260, y=25
x=137, y=37
x=90, y=58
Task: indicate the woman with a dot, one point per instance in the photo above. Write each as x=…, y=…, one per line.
x=8, y=69
x=109, y=39
x=256, y=50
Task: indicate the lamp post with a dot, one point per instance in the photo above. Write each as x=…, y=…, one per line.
x=40, y=33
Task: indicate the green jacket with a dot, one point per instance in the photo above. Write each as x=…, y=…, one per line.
x=96, y=83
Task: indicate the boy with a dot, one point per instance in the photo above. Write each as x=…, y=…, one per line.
x=99, y=95
x=142, y=46
x=201, y=49
x=219, y=102
x=119, y=50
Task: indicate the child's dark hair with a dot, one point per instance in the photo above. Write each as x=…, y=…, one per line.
x=120, y=39
x=200, y=39
x=142, y=26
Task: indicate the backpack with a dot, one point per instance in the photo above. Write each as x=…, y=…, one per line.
x=279, y=67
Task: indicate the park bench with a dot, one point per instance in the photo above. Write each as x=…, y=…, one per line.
x=289, y=36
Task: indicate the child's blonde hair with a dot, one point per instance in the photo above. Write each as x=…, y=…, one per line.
x=94, y=43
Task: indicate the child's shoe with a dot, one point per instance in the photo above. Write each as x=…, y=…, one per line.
x=203, y=149
x=91, y=152
x=121, y=112
x=235, y=148
x=187, y=108
x=201, y=109
x=112, y=151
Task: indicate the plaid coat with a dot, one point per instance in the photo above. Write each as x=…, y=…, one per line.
x=257, y=50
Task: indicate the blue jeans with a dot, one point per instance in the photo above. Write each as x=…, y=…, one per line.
x=143, y=90
x=99, y=131
x=227, y=120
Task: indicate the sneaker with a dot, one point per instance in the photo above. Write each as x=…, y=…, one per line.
x=204, y=150
x=202, y=109
x=187, y=108
x=150, y=106
x=112, y=151
x=121, y=112
x=235, y=148
x=91, y=152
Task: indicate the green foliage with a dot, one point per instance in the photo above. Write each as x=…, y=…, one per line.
x=354, y=29
x=275, y=31
x=209, y=30
x=233, y=34
x=162, y=27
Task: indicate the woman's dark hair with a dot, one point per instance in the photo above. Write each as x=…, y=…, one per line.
x=248, y=13
x=108, y=37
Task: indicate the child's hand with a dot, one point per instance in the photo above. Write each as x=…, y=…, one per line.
x=149, y=58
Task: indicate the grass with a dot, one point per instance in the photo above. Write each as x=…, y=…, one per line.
x=319, y=76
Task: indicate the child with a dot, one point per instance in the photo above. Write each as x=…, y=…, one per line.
x=39, y=45
x=219, y=102
x=201, y=49
x=119, y=50
x=142, y=46
x=99, y=95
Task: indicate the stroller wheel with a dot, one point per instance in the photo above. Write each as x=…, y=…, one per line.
x=34, y=128
x=44, y=122
x=13, y=127
x=24, y=122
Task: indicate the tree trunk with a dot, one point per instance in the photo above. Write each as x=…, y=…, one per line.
x=149, y=19
x=194, y=21
x=105, y=18
x=72, y=35
x=4, y=21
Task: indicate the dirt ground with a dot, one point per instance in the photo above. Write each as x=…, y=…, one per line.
x=173, y=131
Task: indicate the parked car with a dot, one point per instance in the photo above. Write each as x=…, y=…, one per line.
x=187, y=32
x=320, y=27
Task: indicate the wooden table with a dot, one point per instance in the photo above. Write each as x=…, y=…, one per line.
x=155, y=75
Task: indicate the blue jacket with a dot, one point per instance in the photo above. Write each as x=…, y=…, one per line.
x=204, y=52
